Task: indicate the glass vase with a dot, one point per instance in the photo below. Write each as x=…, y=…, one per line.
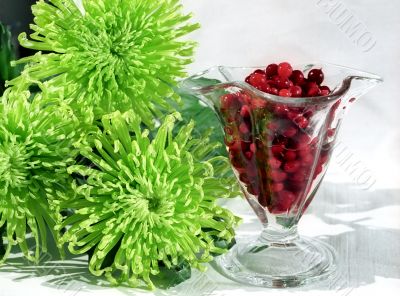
x=279, y=149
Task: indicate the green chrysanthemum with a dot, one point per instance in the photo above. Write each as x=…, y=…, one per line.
x=147, y=199
x=36, y=147
x=117, y=55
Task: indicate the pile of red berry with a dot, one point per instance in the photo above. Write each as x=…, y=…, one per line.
x=282, y=80
x=272, y=146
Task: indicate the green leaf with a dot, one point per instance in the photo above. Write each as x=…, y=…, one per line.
x=207, y=122
x=7, y=54
x=171, y=277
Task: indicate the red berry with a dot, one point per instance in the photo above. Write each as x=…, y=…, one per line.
x=307, y=159
x=290, y=155
x=277, y=187
x=298, y=177
x=282, y=83
x=296, y=91
x=253, y=147
x=229, y=101
x=324, y=92
x=285, y=70
x=304, y=151
x=352, y=100
x=292, y=166
x=272, y=82
x=243, y=128
x=278, y=176
x=277, y=149
x=281, y=109
x=316, y=75
x=245, y=111
x=297, y=77
x=308, y=112
x=284, y=201
x=303, y=141
x=323, y=158
x=266, y=88
x=258, y=80
x=318, y=170
x=274, y=163
x=271, y=70
x=274, y=91
x=244, y=98
x=292, y=115
x=301, y=121
x=312, y=89
x=258, y=103
x=285, y=93
x=325, y=89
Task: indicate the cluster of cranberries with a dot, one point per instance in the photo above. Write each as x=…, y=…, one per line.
x=282, y=80
x=270, y=144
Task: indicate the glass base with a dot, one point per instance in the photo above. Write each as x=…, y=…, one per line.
x=278, y=264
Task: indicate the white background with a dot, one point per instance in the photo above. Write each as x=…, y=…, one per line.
x=363, y=225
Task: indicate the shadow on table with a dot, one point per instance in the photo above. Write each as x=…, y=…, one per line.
x=70, y=274
x=364, y=250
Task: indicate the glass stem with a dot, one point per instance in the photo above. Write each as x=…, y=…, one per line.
x=279, y=236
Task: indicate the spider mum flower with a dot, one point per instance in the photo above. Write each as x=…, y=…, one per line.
x=116, y=55
x=146, y=199
x=36, y=147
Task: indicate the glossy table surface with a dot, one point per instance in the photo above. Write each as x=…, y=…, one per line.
x=357, y=209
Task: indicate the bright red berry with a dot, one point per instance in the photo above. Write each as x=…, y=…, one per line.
x=301, y=121
x=285, y=70
x=281, y=109
x=258, y=80
x=296, y=91
x=285, y=93
x=274, y=91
